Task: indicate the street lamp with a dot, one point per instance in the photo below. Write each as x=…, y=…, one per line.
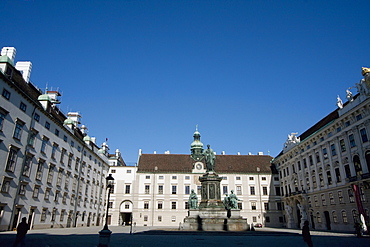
x=104, y=235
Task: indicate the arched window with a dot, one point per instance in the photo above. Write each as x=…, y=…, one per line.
x=335, y=218
x=357, y=165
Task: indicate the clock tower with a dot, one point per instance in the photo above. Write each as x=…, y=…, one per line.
x=197, y=146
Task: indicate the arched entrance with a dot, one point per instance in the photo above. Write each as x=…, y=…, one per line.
x=125, y=213
x=327, y=220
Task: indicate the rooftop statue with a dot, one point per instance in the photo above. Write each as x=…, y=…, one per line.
x=210, y=159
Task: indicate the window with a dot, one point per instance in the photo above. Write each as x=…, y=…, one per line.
x=62, y=155
x=56, y=132
x=335, y=218
x=253, y=205
x=47, y=194
x=310, y=160
x=342, y=145
x=23, y=107
x=18, y=130
x=333, y=151
x=27, y=166
x=77, y=164
x=160, y=177
x=187, y=177
x=59, y=178
x=358, y=117
x=160, y=205
x=279, y=206
x=160, y=189
x=337, y=175
x=348, y=171
x=199, y=189
x=238, y=190
x=147, y=177
x=47, y=125
x=340, y=197
x=251, y=178
x=147, y=188
x=36, y=117
x=56, y=196
x=173, y=218
x=6, y=94
x=328, y=175
x=54, y=150
x=318, y=217
x=331, y=198
x=36, y=191
x=62, y=213
x=127, y=189
x=348, y=123
x=317, y=157
x=363, y=135
x=50, y=174
x=325, y=153
x=5, y=185
x=277, y=191
x=224, y=189
x=70, y=157
x=65, y=138
x=252, y=190
x=264, y=178
x=237, y=178
x=351, y=196
x=146, y=205
x=72, y=143
x=31, y=140
x=264, y=191
x=43, y=214
x=159, y=218
x=344, y=217
x=352, y=142
x=173, y=205
x=64, y=198
x=174, y=177
x=240, y=205
x=254, y=219
x=39, y=170
x=187, y=189
x=44, y=144
x=12, y=159
x=266, y=206
x=174, y=189
x=66, y=183
x=316, y=201
x=186, y=205
x=2, y=118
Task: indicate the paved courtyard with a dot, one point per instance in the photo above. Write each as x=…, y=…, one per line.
x=169, y=237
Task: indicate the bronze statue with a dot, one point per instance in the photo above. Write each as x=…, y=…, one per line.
x=210, y=159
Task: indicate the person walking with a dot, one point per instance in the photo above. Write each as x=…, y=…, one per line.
x=306, y=234
x=22, y=229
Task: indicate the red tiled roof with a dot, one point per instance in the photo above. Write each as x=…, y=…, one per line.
x=183, y=163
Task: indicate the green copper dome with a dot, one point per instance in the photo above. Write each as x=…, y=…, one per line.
x=6, y=59
x=44, y=97
x=87, y=138
x=68, y=121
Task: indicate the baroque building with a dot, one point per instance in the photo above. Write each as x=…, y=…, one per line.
x=156, y=191
x=51, y=171
x=325, y=171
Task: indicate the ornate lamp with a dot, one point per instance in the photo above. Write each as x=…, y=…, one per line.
x=104, y=235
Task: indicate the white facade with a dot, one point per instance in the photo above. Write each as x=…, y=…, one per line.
x=50, y=172
x=324, y=172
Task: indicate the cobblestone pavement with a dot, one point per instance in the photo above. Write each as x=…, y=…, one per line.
x=167, y=236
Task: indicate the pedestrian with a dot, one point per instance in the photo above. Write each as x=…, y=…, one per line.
x=22, y=229
x=358, y=230
x=306, y=234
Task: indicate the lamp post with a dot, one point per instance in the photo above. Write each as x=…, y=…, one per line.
x=104, y=235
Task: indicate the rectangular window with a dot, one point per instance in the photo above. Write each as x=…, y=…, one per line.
x=50, y=174
x=266, y=206
x=344, y=217
x=328, y=175
x=310, y=160
x=363, y=135
x=56, y=132
x=44, y=144
x=59, y=178
x=252, y=190
x=54, y=150
x=337, y=175
x=187, y=177
x=2, y=118
x=5, y=185
x=347, y=171
x=317, y=157
x=304, y=165
x=253, y=205
x=146, y=205
x=35, y=193
x=340, y=197
x=43, y=214
x=65, y=138
x=23, y=107
x=224, y=189
x=12, y=159
x=325, y=153
x=174, y=189
x=174, y=177
x=18, y=130
x=160, y=189
x=331, y=198
x=351, y=196
x=251, y=178
x=264, y=191
x=279, y=206
x=358, y=117
x=159, y=218
x=352, y=142
x=160, y=205
x=187, y=189
x=333, y=151
x=27, y=166
x=6, y=94
x=277, y=191
x=173, y=205
x=62, y=213
x=238, y=190
x=147, y=189
x=342, y=145
x=237, y=178
x=36, y=117
x=47, y=125
x=47, y=194
x=127, y=189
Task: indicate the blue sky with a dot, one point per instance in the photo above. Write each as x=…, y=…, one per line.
x=144, y=73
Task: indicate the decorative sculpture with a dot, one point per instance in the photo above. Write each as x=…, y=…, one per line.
x=193, y=200
x=210, y=159
x=231, y=201
x=339, y=102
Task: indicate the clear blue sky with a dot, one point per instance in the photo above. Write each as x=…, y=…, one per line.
x=144, y=73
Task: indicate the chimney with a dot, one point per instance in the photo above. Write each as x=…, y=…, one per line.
x=75, y=117
x=25, y=68
x=9, y=52
x=260, y=153
x=223, y=152
x=93, y=139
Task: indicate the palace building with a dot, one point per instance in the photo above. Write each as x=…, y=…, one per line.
x=51, y=171
x=156, y=191
x=325, y=171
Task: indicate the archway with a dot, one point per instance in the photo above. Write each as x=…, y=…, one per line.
x=125, y=213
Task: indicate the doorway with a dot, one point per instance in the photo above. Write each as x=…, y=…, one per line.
x=126, y=219
x=327, y=220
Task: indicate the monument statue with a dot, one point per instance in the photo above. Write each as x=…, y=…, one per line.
x=193, y=200
x=349, y=95
x=303, y=212
x=231, y=201
x=289, y=211
x=210, y=159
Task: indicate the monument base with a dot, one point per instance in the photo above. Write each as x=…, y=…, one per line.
x=215, y=219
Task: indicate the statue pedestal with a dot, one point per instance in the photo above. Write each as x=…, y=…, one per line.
x=212, y=215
